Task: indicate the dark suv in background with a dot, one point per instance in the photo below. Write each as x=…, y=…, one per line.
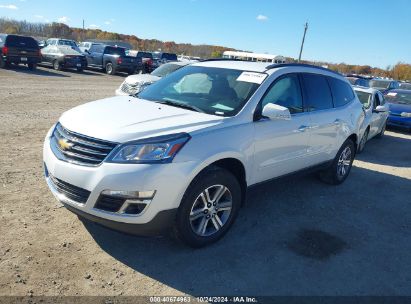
x=19, y=50
x=112, y=59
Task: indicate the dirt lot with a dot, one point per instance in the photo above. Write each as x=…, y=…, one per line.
x=294, y=237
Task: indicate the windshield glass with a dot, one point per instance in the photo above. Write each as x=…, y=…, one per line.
x=380, y=84
x=365, y=98
x=401, y=98
x=211, y=90
x=170, y=57
x=67, y=42
x=145, y=55
x=165, y=69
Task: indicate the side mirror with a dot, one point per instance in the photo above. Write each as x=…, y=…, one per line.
x=276, y=112
x=380, y=109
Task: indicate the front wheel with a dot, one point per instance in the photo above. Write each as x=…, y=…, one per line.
x=80, y=70
x=208, y=208
x=341, y=165
x=32, y=66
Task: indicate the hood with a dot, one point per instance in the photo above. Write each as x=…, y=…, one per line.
x=398, y=108
x=124, y=118
x=141, y=79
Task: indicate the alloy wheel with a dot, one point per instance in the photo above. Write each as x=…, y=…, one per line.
x=344, y=162
x=211, y=210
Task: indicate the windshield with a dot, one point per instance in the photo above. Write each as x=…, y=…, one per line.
x=165, y=69
x=170, y=57
x=67, y=42
x=365, y=98
x=401, y=98
x=384, y=84
x=211, y=90
x=111, y=50
x=145, y=55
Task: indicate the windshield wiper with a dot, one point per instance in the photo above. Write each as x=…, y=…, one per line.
x=181, y=105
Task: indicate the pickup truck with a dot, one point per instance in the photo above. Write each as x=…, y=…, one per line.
x=112, y=59
x=19, y=50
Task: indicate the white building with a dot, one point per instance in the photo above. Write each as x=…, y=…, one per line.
x=254, y=57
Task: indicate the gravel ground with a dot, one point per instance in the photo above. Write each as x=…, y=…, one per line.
x=294, y=237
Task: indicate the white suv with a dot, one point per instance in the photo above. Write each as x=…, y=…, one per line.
x=180, y=155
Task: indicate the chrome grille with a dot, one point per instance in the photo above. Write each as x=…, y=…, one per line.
x=79, y=149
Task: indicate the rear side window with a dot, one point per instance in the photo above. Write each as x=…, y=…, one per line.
x=110, y=50
x=341, y=91
x=317, y=92
x=19, y=41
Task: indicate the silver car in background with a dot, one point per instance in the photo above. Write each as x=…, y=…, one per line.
x=136, y=83
x=376, y=114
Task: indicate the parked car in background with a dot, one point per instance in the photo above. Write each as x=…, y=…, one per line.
x=179, y=156
x=62, y=42
x=15, y=49
x=63, y=57
x=136, y=83
x=405, y=86
x=357, y=80
x=384, y=85
x=112, y=59
x=146, y=57
x=376, y=114
x=160, y=58
x=399, y=104
x=86, y=45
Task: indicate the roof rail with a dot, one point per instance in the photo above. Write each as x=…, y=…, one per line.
x=280, y=65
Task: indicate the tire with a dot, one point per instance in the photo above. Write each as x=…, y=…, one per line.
x=80, y=70
x=131, y=72
x=56, y=65
x=110, y=69
x=334, y=175
x=363, y=141
x=32, y=66
x=4, y=64
x=381, y=134
x=213, y=181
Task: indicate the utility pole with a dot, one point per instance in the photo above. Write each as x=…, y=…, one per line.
x=302, y=43
x=82, y=32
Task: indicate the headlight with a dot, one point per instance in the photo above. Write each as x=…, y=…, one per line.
x=405, y=114
x=160, y=149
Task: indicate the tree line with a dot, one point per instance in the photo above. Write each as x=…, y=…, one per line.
x=400, y=71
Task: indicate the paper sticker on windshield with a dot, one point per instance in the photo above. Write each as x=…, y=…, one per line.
x=392, y=94
x=252, y=77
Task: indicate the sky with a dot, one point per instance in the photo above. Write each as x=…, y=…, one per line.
x=372, y=32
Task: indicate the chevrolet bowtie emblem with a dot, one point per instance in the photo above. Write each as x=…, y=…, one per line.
x=64, y=144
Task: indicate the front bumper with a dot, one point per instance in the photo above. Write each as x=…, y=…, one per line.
x=168, y=180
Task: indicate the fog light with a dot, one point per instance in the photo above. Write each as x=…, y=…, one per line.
x=136, y=195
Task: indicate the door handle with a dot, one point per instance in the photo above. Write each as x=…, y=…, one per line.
x=303, y=128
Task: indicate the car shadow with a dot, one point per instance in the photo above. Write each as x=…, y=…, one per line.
x=292, y=237
x=381, y=150
x=40, y=71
